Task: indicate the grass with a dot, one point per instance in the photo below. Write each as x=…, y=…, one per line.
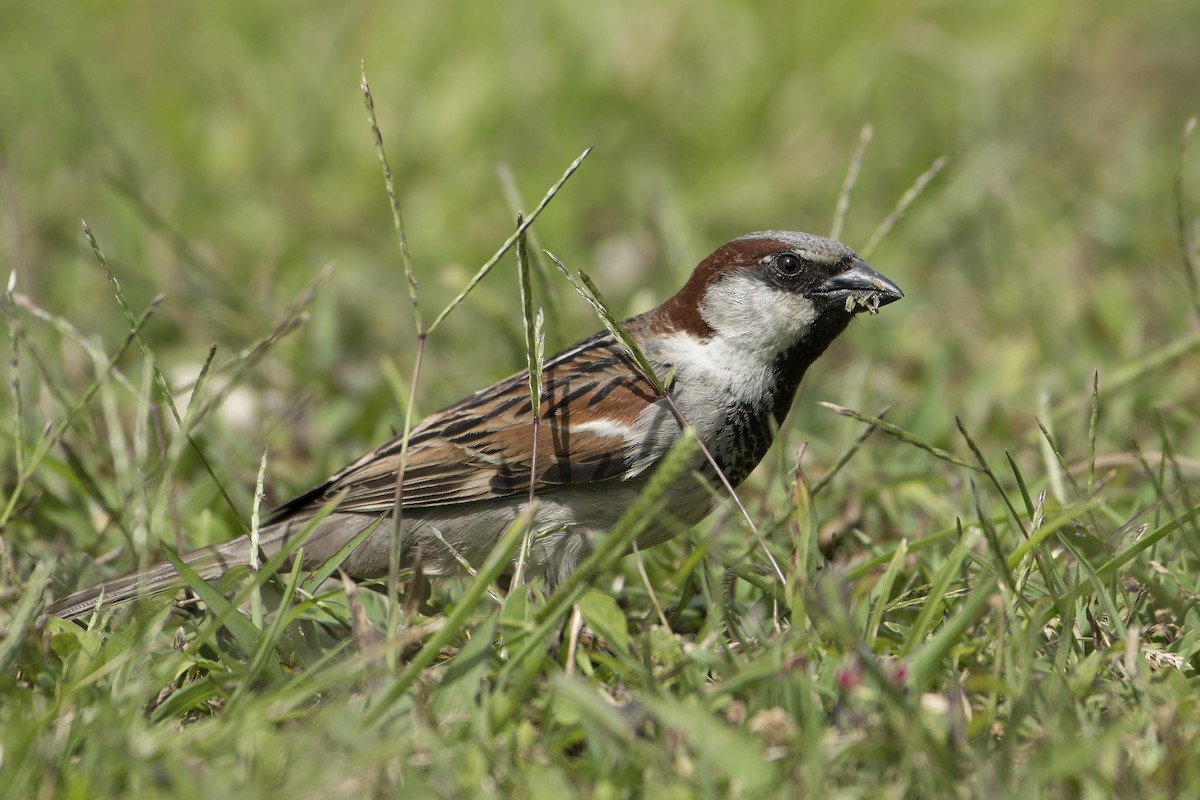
x=990, y=587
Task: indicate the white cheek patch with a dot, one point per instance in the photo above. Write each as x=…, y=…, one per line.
x=752, y=323
x=755, y=318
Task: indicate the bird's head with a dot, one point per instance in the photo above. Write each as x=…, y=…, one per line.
x=770, y=293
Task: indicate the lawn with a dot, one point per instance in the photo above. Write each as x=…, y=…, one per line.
x=992, y=592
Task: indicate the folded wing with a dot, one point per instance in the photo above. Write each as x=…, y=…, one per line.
x=481, y=448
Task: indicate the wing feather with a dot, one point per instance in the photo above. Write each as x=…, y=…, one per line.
x=481, y=448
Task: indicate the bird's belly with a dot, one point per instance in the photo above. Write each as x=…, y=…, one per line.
x=565, y=522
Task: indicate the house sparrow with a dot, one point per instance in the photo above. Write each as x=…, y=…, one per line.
x=737, y=337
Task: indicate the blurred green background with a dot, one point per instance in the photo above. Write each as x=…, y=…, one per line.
x=220, y=153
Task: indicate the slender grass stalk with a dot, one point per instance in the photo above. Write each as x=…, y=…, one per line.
x=1093, y=428
x=397, y=520
x=1060, y=460
x=901, y=434
x=535, y=346
x=260, y=493
x=195, y=408
x=159, y=378
x=1187, y=248
x=14, y=374
x=902, y=205
x=482, y=272
x=395, y=555
x=844, y=459
x=883, y=592
x=7, y=307
x=851, y=179
x=393, y=199
x=539, y=269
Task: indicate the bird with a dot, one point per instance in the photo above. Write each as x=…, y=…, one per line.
x=734, y=342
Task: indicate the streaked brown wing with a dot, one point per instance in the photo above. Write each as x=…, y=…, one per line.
x=481, y=447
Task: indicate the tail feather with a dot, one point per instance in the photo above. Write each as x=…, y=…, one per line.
x=321, y=543
x=209, y=563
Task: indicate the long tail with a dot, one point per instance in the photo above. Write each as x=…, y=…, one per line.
x=320, y=544
x=209, y=563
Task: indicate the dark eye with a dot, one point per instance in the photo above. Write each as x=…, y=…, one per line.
x=789, y=264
